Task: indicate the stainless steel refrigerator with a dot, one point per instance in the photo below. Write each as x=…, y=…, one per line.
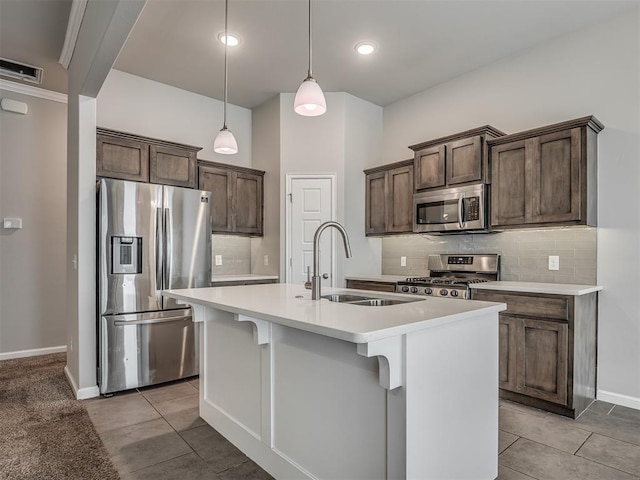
x=150, y=237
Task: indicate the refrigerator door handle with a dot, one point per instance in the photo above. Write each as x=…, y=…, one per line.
x=168, y=247
x=123, y=323
x=159, y=249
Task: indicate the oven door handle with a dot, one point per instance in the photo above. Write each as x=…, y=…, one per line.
x=461, y=211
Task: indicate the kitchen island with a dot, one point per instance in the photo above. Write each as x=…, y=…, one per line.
x=321, y=389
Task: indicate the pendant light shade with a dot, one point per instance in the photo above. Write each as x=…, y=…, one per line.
x=310, y=101
x=225, y=143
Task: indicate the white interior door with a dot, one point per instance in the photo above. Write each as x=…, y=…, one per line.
x=311, y=203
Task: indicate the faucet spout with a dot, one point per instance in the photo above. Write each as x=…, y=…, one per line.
x=316, y=280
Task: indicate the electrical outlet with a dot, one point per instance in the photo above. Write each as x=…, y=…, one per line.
x=403, y=261
x=218, y=259
x=266, y=260
x=554, y=262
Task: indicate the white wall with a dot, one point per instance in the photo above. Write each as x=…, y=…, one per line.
x=266, y=156
x=136, y=105
x=105, y=27
x=342, y=141
x=592, y=71
x=33, y=186
x=363, y=142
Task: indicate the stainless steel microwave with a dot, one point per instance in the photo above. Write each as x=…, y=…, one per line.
x=452, y=210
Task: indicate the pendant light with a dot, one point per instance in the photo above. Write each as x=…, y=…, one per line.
x=310, y=100
x=225, y=142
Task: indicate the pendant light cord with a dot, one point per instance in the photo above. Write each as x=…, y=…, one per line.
x=310, y=50
x=226, y=41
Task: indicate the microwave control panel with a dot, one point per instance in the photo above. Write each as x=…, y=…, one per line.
x=471, y=209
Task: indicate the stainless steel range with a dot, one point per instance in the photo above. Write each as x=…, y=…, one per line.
x=451, y=275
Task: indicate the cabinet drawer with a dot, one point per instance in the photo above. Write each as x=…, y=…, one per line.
x=371, y=285
x=555, y=307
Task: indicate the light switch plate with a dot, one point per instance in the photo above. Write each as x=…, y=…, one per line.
x=266, y=260
x=218, y=259
x=12, y=222
x=554, y=262
x=403, y=261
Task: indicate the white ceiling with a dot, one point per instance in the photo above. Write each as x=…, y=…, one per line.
x=421, y=42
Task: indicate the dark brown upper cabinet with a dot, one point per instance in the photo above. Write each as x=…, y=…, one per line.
x=389, y=199
x=143, y=159
x=452, y=160
x=546, y=176
x=237, y=197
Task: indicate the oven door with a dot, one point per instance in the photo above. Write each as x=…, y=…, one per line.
x=451, y=210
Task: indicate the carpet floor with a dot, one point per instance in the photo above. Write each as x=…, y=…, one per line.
x=45, y=433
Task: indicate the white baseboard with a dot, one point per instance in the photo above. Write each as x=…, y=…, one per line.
x=618, y=399
x=81, y=393
x=33, y=353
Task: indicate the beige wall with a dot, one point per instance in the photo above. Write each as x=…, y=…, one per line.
x=593, y=71
x=33, y=186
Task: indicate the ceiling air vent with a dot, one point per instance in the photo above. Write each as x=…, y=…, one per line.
x=21, y=71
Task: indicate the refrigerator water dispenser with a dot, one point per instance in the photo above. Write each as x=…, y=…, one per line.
x=126, y=255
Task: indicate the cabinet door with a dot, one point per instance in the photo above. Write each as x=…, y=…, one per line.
x=429, y=165
x=555, y=176
x=172, y=166
x=542, y=360
x=247, y=203
x=508, y=351
x=464, y=160
x=509, y=184
x=218, y=181
x=122, y=158
x=375, y=203
x=400, y=200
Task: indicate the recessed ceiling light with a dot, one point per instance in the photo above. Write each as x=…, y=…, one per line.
x=233, y=39
x=365, y=48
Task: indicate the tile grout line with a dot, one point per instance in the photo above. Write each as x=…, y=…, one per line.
x=578, y=456
x=582, y=444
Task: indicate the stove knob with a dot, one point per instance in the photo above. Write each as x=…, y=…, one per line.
x=444, y=292
x=414, y=289
x=405, y=289
x=428, y=291
x=454, y=293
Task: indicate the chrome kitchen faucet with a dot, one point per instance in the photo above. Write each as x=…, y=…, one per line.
x=316, y=281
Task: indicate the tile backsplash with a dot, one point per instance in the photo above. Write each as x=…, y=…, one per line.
x=235, y=252
x=524, y=253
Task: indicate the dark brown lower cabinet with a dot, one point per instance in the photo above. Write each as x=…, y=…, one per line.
x=547, y=349
x=371, y=285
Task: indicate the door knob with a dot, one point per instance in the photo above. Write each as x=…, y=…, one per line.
x=325, y=275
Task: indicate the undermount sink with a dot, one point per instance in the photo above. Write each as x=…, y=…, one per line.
x=368, y=301
x=344, y=298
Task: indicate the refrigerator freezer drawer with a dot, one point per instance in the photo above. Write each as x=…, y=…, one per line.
x=147, y=348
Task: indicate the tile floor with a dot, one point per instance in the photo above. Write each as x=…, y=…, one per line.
x=156, y=433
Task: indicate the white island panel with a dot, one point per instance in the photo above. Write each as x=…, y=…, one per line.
x=329, y=409
x=322, y=390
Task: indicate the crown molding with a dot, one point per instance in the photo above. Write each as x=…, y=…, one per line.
x=73, y=28
x=32, y=91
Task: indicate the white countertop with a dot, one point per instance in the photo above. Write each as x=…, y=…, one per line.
x=532, y=287
x=279, y=303
x=243, y=277
x=379, y=278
